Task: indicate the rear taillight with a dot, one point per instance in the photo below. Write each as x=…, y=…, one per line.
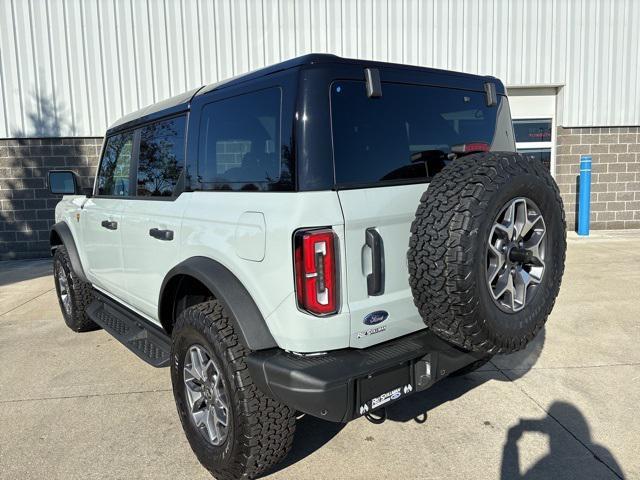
x=471, y=147
x=316, y=271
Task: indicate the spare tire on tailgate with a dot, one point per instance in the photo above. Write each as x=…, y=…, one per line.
x=487, y=251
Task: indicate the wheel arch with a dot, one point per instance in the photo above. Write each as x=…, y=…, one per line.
x=198, y=278
x=61, y=235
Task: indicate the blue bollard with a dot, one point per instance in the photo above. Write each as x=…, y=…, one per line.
x=584, y=201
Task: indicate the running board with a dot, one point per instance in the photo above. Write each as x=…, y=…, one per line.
x=144, y=339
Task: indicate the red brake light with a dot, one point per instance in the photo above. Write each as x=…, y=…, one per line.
x=316, y=272
x=471, y=147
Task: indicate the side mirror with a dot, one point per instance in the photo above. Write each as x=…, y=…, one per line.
x=63, y=182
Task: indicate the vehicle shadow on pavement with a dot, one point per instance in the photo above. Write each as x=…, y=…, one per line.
x=519, y=363
x=561, y=416
x=559, y=461
x=315, y=434
x=417, y=406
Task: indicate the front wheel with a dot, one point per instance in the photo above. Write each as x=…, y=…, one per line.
x=74, y=295
x=235, y=430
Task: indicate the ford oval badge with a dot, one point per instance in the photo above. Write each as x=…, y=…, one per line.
x=375, y=318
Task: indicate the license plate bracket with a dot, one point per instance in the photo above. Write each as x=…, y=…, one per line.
x=383, y=388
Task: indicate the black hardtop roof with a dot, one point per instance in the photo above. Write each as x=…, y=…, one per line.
x=181, y=102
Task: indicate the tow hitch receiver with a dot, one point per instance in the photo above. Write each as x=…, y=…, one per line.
x=346, y=384
x=381, y=389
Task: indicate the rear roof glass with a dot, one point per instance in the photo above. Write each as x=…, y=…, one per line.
x=405, y=135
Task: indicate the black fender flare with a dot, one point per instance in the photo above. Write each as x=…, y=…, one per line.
x=63, y=232
x=225, y=287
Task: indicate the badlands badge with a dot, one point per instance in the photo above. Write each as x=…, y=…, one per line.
x=371, y=331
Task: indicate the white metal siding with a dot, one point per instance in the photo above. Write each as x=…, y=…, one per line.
x=71, y=67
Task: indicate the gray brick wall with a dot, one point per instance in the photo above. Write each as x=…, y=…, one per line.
x=615, y=177
x=26, y=206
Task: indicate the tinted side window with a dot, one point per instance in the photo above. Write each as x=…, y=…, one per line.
x=406, y=134
x=240, y=140
x=113, y=176
x=161, y=157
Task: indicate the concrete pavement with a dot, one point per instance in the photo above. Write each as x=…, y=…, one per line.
x=83, y=406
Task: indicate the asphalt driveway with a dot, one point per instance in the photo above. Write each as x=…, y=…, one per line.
x=83, y=406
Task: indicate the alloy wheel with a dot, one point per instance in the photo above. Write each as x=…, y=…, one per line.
x=516, y=254
x=207, y=398
x=63, y=285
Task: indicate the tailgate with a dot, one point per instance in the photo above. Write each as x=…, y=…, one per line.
x=387, y=212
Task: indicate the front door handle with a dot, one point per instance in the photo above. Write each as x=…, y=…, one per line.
x=110, y=224
x=375, y=280
x=166, y=235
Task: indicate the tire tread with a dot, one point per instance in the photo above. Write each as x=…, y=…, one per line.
x=444, y=237
x=267, y=426
x=81, y=295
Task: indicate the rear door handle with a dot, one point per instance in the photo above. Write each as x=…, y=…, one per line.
x=375, y=280
x=166, y=235
x=110, y=224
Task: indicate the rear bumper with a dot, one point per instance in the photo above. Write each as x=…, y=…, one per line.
x=344, y=384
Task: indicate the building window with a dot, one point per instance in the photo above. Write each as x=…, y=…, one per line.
x=542, y=154
x=534, y=139
x=528, y=131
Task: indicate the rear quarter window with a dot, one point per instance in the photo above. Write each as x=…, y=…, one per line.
x=239, y=142
x=161, y=157
x=407, y=135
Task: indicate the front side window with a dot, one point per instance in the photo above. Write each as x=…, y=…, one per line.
x=161, y=157
x=409, y=133
x=239, y=141
x=115, y=168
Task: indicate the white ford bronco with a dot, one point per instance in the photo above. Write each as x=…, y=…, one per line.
x=324, y=236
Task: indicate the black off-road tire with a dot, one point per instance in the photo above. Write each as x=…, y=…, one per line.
x=262, y=429
x=447, y=254
x=79, y=292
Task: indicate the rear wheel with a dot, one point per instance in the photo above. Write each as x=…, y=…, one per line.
x=235, y=430
x=74, y=295
x=487, y=251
